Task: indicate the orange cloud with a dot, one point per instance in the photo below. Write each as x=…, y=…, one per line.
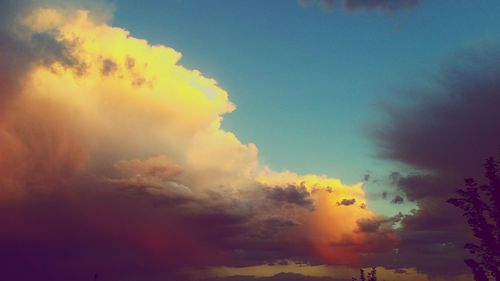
x=128, y=144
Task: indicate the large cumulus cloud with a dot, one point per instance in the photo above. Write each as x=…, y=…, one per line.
x=113, y=162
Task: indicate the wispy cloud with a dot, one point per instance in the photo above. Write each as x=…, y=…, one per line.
x=352, y=5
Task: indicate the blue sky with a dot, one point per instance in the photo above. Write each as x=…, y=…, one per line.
x=308, y=81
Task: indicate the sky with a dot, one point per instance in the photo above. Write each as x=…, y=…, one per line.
x=311, y=75
x=323, y=73
x=242, y=140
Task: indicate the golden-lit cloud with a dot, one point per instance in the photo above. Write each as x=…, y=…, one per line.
x=333, y=228
x=115, y=132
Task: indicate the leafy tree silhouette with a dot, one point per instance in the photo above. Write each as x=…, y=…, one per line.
x=480, y=204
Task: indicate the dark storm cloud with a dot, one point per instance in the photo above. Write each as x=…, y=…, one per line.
x=90, y=227
x=368, y=225
x=445, y=135
x=96, y=228
x=386, y=5
x=279, y=222
x=453, y=128
x=437, y=251
x=374, y=224
x=71, y=235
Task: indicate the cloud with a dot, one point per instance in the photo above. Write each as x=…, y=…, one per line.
x=397, y=199
x=297, y=195
x=460, y=110
x=332, y=232
x=444, y=134
x=384, y=195
x=22, y=49
x=346, y=202
x=18, y=53
x=375, y=223
x=114, y=162
x=366, y=177
x=352, y=5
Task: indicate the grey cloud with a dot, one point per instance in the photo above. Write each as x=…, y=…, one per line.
x=346, y=202
x=108, y=67
x=384, y=195
x=371, y=225
x=445, y=135
x=351, y=5
x=397, y=199
x=296, y=195
x=366, y=177
x=19, y=53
